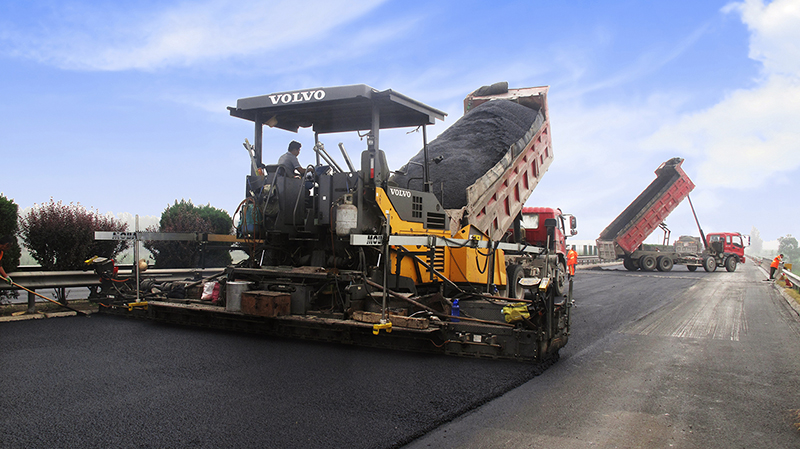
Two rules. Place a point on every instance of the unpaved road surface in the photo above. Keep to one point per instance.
(658, 360)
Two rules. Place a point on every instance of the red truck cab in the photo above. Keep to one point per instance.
(728, 244)
(533, 223)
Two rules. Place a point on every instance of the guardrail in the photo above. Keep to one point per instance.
(589, 260)
(793, 278)
(34, 280)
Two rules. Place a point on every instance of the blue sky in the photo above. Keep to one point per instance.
(121, 106)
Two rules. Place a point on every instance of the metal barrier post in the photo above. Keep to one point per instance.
(136, 257)
(31, 303)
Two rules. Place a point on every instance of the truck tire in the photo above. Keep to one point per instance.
(629, 264)
(647, 263)
(710, 264)
(730, 264)
(513, 290)
(560, 279)
(691, 267)
(664, 263)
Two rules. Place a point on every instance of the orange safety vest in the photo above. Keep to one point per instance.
(775, 262)
(572, 257)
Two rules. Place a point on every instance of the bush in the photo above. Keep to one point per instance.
(61, 237)
(9, 226)
(184, 216)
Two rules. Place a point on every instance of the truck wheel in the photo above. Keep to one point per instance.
(629, 264)
(730, 264)
(513, 290)
(709, 264)
(691, 267)
(647, 263)
(560, 279)
(664, 263)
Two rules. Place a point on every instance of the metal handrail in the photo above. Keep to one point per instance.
(68, 279)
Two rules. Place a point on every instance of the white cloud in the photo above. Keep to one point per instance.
(751, 136)
(181, 34)
(775, 39)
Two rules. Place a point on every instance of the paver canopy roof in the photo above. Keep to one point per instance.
(335, 109)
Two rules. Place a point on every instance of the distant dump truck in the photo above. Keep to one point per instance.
(623, 238)
(687, 244)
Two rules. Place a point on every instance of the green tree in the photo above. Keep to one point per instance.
(61, 237)
(788, 247)
(9, 226)
(184, 216)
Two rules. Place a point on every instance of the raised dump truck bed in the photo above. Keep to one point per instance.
(495, 199)
(632, 227)
(623, 238)
(488, 162)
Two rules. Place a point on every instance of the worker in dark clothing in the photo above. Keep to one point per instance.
(773, 267)
(5, 244)
(290, 162)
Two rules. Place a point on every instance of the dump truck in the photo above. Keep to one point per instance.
(624, 237)
(545, 227)
(363, 255)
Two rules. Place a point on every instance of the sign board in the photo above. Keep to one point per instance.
(114, 235)
(366, 239)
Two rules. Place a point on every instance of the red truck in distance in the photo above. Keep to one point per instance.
(624, 237)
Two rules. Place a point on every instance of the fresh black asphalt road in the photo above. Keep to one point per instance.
(103, 382)
(678, 359)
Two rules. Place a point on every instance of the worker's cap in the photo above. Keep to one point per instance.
(294, 145)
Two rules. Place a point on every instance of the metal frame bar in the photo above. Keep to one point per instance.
(432, 240)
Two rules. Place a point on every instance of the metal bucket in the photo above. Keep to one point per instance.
(233, 295)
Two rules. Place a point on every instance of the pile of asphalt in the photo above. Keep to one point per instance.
(468, 148)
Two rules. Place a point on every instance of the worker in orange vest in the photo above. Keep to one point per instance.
(774, 265)
(572, 260)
